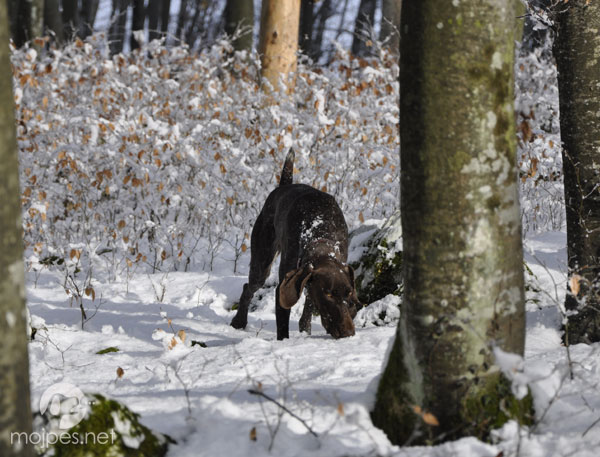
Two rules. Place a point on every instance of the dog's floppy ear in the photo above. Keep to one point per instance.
(350, 271)
(292, 285)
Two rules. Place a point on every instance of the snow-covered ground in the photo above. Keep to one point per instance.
(142, 176)
(199, 395)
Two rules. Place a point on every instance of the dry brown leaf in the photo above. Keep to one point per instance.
(574, 284)
(120, 372)
(181, 335)
(253, 434)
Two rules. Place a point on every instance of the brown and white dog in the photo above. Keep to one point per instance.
(309, 230)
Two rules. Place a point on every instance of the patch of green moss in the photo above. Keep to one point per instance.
(492, 405)
(108, 350)
(379, 271)
(109, 430)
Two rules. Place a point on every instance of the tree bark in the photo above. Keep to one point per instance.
(462, 259)
(279, 23)
(15, 409)
(116, 33)
(153, 12)
(240, 13)
(37, 18)
(306, 27)
(165, 16)
(88, 11)
(365, 18)
(53, 19)
(70, 18)
(390, 24)
(576, 48)
(19, 12)
(137, 21)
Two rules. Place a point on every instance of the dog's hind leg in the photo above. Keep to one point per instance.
(263, 250)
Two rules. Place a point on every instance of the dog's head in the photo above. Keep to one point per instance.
(330, 285)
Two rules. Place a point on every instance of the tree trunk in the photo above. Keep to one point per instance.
(306, 27)
(363, 26)
(462, 259)
(37, 18)
(181, 20)
(390, 24)
(137, 21)
(70, 18)
(279, 23)
(15, 409)
(19, 12)
(321, 16)
(240, 13)
(576, 48)
(53, 19)
(87, 18)
(153, 12)
(116, 33)
(165, 16)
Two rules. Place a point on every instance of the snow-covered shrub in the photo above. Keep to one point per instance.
(539, 148)
(161, 160)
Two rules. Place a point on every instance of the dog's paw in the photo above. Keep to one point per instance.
(238, 323)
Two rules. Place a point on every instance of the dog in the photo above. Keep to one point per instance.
(308, 228)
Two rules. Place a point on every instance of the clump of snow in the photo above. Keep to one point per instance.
(381, 312)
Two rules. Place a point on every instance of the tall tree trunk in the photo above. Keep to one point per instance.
(37, 18)
(363, 26)
(240, 13)
(88, 11)
(15, 409)
(53, 19)
(390, 24)
(153, 13)
(325, 11)
(70, 18)
(279, 23)
(576, 48)
(19, 12)
(165, 16)
(306, 27)
(181, 20)
(463, 270)
(116, 33)
(137, 21)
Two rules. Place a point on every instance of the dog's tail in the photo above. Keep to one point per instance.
(287, 173)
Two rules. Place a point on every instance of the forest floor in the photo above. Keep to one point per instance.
(199, 393)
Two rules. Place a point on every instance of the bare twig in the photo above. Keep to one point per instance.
(271, 399)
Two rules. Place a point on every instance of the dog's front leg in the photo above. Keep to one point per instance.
(282, 318)
(306, 318)
(240, 320)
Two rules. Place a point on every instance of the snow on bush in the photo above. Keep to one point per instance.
(160, 160)
(539, 148)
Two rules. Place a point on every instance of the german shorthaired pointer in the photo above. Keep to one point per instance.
(308, 228)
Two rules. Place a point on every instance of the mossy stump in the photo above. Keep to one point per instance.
(110, 429)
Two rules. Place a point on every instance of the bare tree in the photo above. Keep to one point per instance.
(15, 409)
(462, 258)
(279, 23)
(390, 24)
(576, 48)
(239, 13)
(116, 33)
(363, 25)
